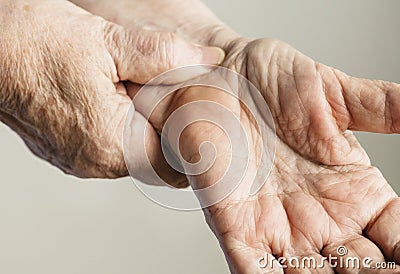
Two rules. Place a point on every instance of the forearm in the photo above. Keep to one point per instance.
(188, 18)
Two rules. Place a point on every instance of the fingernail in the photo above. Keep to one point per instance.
(213, 55)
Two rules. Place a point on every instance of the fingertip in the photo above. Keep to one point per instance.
(212, 55)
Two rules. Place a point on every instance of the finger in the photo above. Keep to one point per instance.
(144, 156)
(357, 155)
(355, 255)
(140, 55)
(132, 89)
(372, 106)
(133, 130)
(384, 231)
(313, 116)
(311, 263)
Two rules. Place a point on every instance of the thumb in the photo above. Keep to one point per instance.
(372, 106)
(141, 55)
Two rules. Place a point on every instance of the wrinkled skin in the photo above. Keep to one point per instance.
(322, 191)
(61, 87)
(320, 194)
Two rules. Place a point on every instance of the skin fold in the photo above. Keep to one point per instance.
(322, 192)
(61, 83)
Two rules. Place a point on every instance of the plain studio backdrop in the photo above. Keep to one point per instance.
(53, 223)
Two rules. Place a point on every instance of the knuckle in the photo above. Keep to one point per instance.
(116, 37)
(392, 112)
(162, 48)
(112, 33)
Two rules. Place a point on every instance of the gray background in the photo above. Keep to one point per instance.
(52, 223)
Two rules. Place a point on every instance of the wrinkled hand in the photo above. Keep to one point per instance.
(61, 87)
(322, 192)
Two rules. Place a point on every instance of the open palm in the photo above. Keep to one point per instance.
(323, 193)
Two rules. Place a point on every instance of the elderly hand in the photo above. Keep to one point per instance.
(306, 209)
(61, 83)
(322, 193)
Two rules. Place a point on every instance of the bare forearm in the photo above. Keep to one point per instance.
(188, 18)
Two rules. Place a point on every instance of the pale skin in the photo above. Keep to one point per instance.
(322, 191)
(61, 70)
